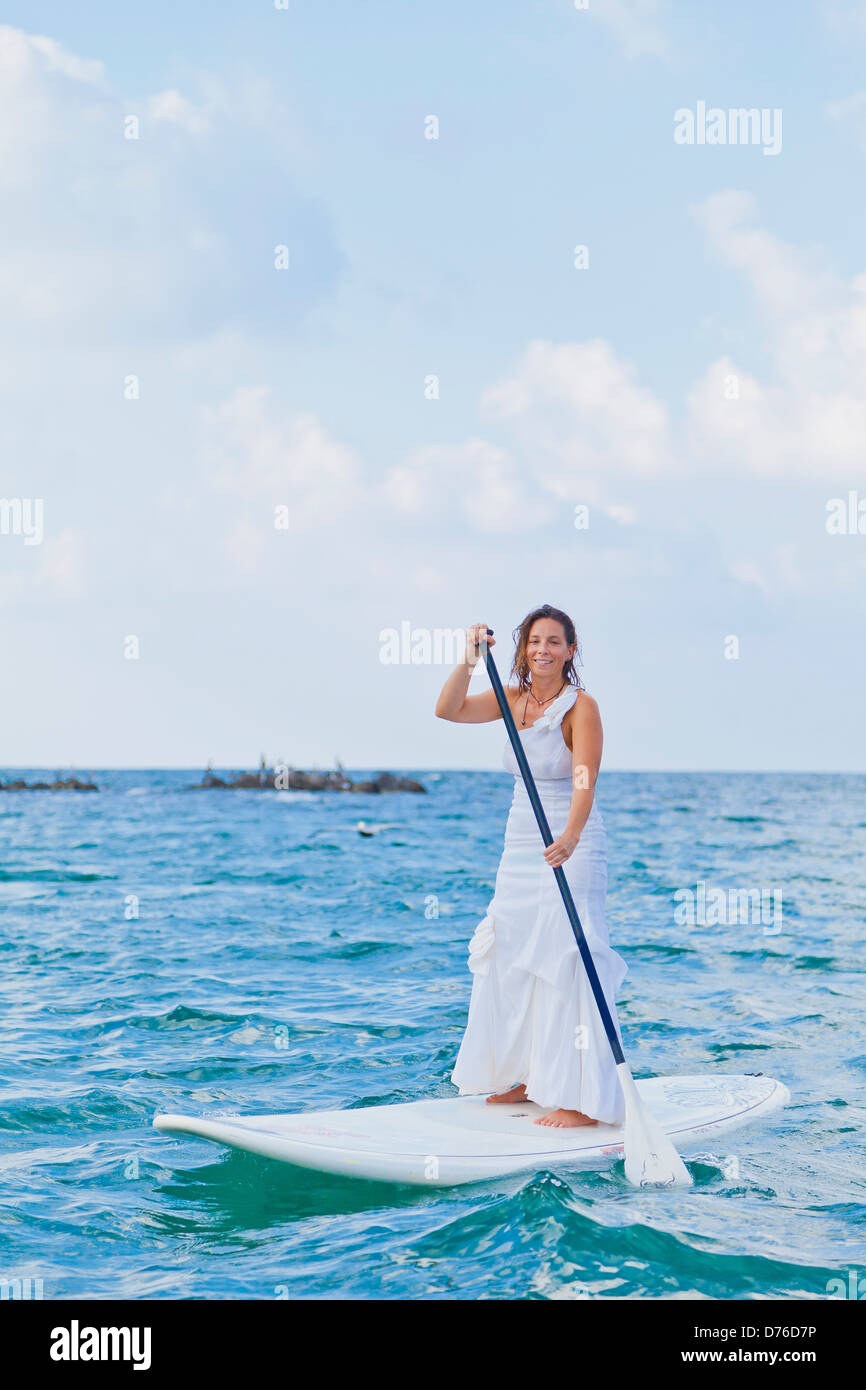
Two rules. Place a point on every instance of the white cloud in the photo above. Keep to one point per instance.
(623, 515)
(42, 90)
(22, 53)
(172, 108)
(577, 421)
(749, 573)
(581, 414)
(808, 419)
(83, 232)
(848, 106)
(782, 571)
(56, 59)
(635, 25)
(263, 453)
(56, 569)
(476, 482)
(784, 280)
(103, 229)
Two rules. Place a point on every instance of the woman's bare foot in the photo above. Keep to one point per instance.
(565, 1119)
(512, 1097)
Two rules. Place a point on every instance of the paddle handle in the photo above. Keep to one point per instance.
(558, 873)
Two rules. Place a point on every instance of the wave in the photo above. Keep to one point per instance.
(640, 1258)
(53, 875)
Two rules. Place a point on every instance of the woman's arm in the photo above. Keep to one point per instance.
(583, 723)
(453, 703)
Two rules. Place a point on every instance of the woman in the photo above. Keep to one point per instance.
(534, 1030)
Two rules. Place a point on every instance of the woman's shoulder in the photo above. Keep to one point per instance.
(585, 706)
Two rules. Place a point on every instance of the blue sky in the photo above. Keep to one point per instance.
(607, 386)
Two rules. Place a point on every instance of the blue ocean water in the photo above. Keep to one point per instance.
(281, 961)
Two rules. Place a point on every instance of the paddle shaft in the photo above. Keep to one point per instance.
(558, 873)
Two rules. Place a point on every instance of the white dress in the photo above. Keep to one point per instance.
(532, 1015)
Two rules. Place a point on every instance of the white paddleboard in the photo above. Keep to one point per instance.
(440, 1143)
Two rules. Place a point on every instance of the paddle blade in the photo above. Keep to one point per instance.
(650, 1158)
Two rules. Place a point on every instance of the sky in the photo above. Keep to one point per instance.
(301, 347)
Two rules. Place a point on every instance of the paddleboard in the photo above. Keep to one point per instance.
(441, 1143)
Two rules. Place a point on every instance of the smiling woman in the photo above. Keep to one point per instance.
(534, 1031)
(546, 636)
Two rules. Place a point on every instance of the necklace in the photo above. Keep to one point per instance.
(540, 702)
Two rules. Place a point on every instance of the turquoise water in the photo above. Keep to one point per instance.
(280, 961)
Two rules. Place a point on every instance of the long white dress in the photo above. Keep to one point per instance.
(532, 1015)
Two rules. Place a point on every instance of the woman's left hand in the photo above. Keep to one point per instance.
(562, 848)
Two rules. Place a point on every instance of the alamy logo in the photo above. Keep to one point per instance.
(76, 1343)
(737, 126)
(22, 1288)
(706, 906)
(846, 516)
(421, 646)
(856, 1287)
(22, 516)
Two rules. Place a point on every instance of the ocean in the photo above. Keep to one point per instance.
(165, 949)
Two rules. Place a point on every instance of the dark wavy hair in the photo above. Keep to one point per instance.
(520, 665)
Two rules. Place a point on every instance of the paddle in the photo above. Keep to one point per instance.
(650, 1157)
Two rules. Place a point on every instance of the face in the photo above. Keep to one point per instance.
(546, 648)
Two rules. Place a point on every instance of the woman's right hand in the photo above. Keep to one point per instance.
(455, 703)
(475, 635)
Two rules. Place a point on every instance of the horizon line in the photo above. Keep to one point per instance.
(72, 768)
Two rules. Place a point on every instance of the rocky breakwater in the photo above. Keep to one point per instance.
(60, 784)
(293, 779)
